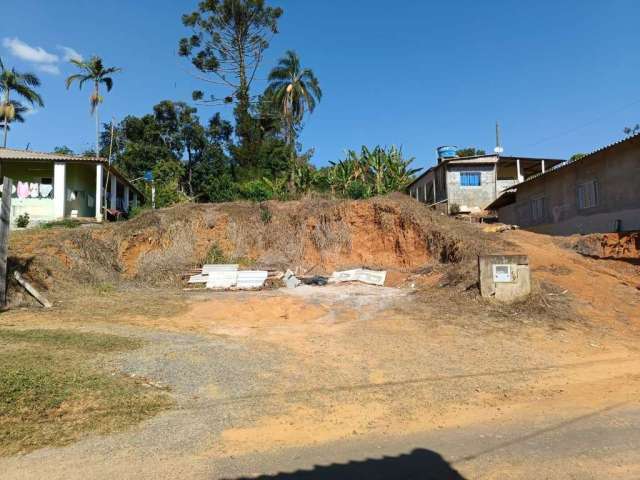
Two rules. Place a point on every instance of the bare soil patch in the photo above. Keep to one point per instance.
(315, 234)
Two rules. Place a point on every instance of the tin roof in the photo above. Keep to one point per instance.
(480, 160)
(13, 154)
(581, 159)
(27, 155)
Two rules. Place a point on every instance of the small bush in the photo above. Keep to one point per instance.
(265, 214)
(358, 190)
(256, 191)
(221, 189)
(137, 210)
(454, 209)
(215, 255)
(23, 220)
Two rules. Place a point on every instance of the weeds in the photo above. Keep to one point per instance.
(215, 255)
(265, 214)
(68, 339)
(65, 223)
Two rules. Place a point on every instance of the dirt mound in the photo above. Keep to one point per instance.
(624, 246)
(393, 232)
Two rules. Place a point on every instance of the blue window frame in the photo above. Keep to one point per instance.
(470, 179)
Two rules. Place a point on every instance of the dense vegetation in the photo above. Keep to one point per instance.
(255, 155)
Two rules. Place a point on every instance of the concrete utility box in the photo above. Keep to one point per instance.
(505, 277)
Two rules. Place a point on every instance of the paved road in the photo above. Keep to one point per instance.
(597, 445)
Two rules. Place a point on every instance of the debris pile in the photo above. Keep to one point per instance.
(227, 277)
(359, 275)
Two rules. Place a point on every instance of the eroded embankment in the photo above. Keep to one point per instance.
(623, 246)
(393, 232)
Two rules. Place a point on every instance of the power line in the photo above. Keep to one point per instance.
(581, 126)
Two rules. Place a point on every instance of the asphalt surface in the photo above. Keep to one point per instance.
(601, 444)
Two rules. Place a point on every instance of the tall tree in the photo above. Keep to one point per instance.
(182, 132)
(22, 84)
(228, 42)
(95, 72)
(295, 90)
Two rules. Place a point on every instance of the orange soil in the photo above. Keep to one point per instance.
(361, 235)
(621, 245)
(605, 291)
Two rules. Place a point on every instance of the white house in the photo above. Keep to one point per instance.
(52, 186)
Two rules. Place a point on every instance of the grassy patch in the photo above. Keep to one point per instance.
(65, 223)
(50, 395)
(68, 339)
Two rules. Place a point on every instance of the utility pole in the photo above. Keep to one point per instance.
(498, 148)
(5, 225)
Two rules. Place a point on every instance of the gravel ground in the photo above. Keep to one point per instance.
(369, 368)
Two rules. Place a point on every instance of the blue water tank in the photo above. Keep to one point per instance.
(447, 151)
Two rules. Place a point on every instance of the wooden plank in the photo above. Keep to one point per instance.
(5, 226)
(32, 290)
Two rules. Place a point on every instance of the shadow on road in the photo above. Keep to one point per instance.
(419, 464)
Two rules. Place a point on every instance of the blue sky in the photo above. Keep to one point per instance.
(560, 76)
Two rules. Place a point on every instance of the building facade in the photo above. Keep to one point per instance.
(470, 184)
(50, 186)
(597, 193)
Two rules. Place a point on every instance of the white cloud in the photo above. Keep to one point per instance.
(28, 53)
(49, 68)
(69, 53)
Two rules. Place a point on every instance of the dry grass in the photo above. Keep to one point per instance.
(50, 395)
(156, 246)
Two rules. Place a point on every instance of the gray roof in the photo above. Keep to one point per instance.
(581, 159)
(491, 158)
(13, 154)
(29, 155)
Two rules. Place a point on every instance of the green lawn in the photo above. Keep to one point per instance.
(50, 395)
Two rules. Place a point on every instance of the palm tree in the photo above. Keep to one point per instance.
(93, 71)
(295, 90)
(18, 111)
(21, 84)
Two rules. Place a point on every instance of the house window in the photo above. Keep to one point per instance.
(588, 195)
(470, 179)
(537, 209)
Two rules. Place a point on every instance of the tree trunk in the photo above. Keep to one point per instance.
(97, 94)
(6, 120)
(189, 171)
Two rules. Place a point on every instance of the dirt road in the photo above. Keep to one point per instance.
(391, 380)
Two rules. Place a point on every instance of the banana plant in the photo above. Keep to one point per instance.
(377, 171)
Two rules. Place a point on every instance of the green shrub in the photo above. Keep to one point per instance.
(23, 220)
(138, 209)
(256, 191)
(215, 255)
(358, 190)
(454, 209)
(222, 189)
(265, 214)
